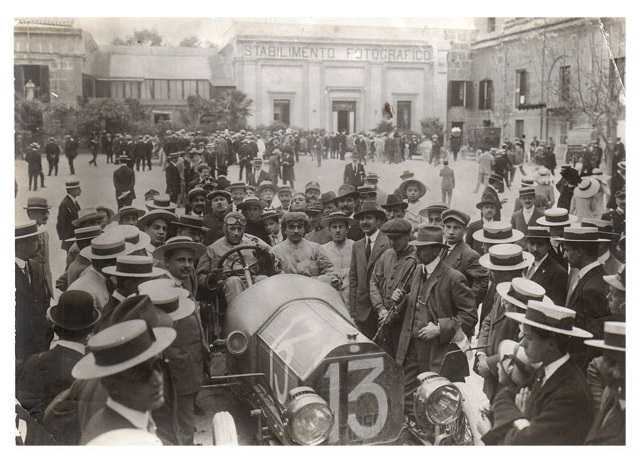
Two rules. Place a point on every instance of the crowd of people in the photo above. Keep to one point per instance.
(541, 296)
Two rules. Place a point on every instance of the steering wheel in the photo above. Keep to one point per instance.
(246, 268)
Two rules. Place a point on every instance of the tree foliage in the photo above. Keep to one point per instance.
(225, 110)
(190, 41)
(103, 114)
(142, 37)
(431, 126)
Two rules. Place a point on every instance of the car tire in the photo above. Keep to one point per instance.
(224, 429)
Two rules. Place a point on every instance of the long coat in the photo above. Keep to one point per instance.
(360, 275)
(172, 178)
(124, 179)
(444, 299)
(553, 277)
(463, 258)
(354, 174)
(559, 413)
(67, 213)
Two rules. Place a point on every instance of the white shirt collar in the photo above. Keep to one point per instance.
(485, 221)
(550, 369)
(373, 237)
(118, 296)
(527, 213)
(583, 272)
(22, 264)
(79, 347)
(140, 419)
(604, 257)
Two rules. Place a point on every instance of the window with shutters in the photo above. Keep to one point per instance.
(456, 93)
(403, 114)
(565, 82)
(522, 89)
(485, 94)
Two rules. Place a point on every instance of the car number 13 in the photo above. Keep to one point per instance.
(367, 385)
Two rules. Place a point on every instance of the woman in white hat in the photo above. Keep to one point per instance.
(584, 203)
(544, 189)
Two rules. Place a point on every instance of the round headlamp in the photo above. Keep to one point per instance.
(436, 399)
(237, 342)
(309, 417)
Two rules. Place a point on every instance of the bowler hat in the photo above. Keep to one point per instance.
(614, 337)
(456, 215)
(174, 301)
(37, 203)
(428, 235)
(370, 207)
(506, 257)
(121, 347)
(497, 232)
(394, 201)
(74, 311)
(27, 229)
(550, 317)
(179, 243)
(135, 266)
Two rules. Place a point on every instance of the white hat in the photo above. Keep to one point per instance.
(520, 290)
(174, 301)
(550, 317)
(614, 337)
(507, 257)
(497, 232)
(556, 217)
(587, 188)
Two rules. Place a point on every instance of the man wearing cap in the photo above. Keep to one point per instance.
(52, 152)
(460, 256)
(437, 317)
(319, 232)
(233, 279)
(266, 191)
(546, 270)
(284, 196)
(124, 179)
(32, 293)
(529, 213)
(125, 357)
(238, 193)
(179, 256)
(68, 212)
(392, 269)
(271, 219)
(38, 210)
(251, 207)
(197, 202)
(354, 172)
(366, 252)
(155, 223)
(214, 219)
(489, 208)
(48, 373)
(556, 409)
(339, 249)
(312, 191)
(172, 178)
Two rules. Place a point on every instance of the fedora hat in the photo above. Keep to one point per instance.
(456, 215)
(556, 217)
(497, 232)
(87, 216)
(370, 207)
(121, 347)
(250, 201)
(406, 174)
(536, 231)
(580, 235)
(27, 229)
(109, 245)
(506, 257)
(191, 221)
(162, 201)
(346, 190)
(37, 203)
(587, 188)
(614, 337)
(402, 189)
(428, 235)
(488, 198)
(85, 233)
(127, 210)
(550, 317)
(520, 290)
(616, 280)
(134, 266)
(174, 301)
(154, 214)
(179, 243)
(394, 201)
(74, 311)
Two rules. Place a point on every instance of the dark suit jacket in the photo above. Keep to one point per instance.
(611, 432)
(471, 229)
(465, 259)
(33, 333)
(518, 222)
(360, 275)
(559, 413)
(554, 278)
(103, 421)
(172, 176)
(354, 174)
(444, 299)
(43, 376)
(67, 213)
(124, 179)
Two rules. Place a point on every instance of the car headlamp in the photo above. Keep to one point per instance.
(309, 417)
(436, 400)
(237, 342)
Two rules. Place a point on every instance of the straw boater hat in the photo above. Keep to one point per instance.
(74, 311)
(135, 266)
(550, 317)
(507, 257)
(73, 184)
(527, 192)
(520, 290)
(556, 217)
(137, 239)
(581, 235)
(617, 280)
(587, 188)
(109, 245)
(191, 221)
(370, 207)
(394, 201)
(162, 201)
(179, 243)
(26, 229)
(85, 233)
(87, 216)
(535, 231)
(126, 210)
(37, 203)
(121, 347)
(428, 235)
(402, 189)
(614, 337)
(174, 301)
(497, 232)
(152, 215)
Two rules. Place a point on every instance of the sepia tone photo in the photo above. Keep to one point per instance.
(339, 232)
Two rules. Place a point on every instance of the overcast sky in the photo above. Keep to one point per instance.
(173, 30)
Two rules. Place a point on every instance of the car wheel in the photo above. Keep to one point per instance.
(224, 429)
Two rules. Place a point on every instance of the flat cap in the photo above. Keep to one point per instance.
(295, 217)
(396, 227)
(456, 215)
(235, 218)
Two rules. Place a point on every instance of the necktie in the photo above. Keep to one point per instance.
(574, 277)
(367, 249)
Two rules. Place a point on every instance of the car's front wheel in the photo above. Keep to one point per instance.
(224, 429)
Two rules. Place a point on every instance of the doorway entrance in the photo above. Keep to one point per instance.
(344, 116)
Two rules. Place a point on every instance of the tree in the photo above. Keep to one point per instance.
(197, 107)
(431, 126)
(142, 37)
(103, 114)
(232, 108)
(191, 41)
(137, 111)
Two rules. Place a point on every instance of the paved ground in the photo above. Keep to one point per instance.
(98, 189)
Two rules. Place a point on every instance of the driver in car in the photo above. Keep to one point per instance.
(231, 273)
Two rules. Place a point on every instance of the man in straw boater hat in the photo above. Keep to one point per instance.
(461, 256)
(556, 409)
(546, 270)
(87, 217)
(68, 212)
(495, 233)
(128, 273)
(32, 294)
(179, 256)
(608, 427)
(83, 237)
(124, 178)
(529, 213)
(512, 295)
(587, 291)
(339, 249)
(186, 355)
(489, 208)
(155, 223)
(48, 373)
(162, 202)
(438, 315)
(392, 271)
(125, 357)
(366, 252)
